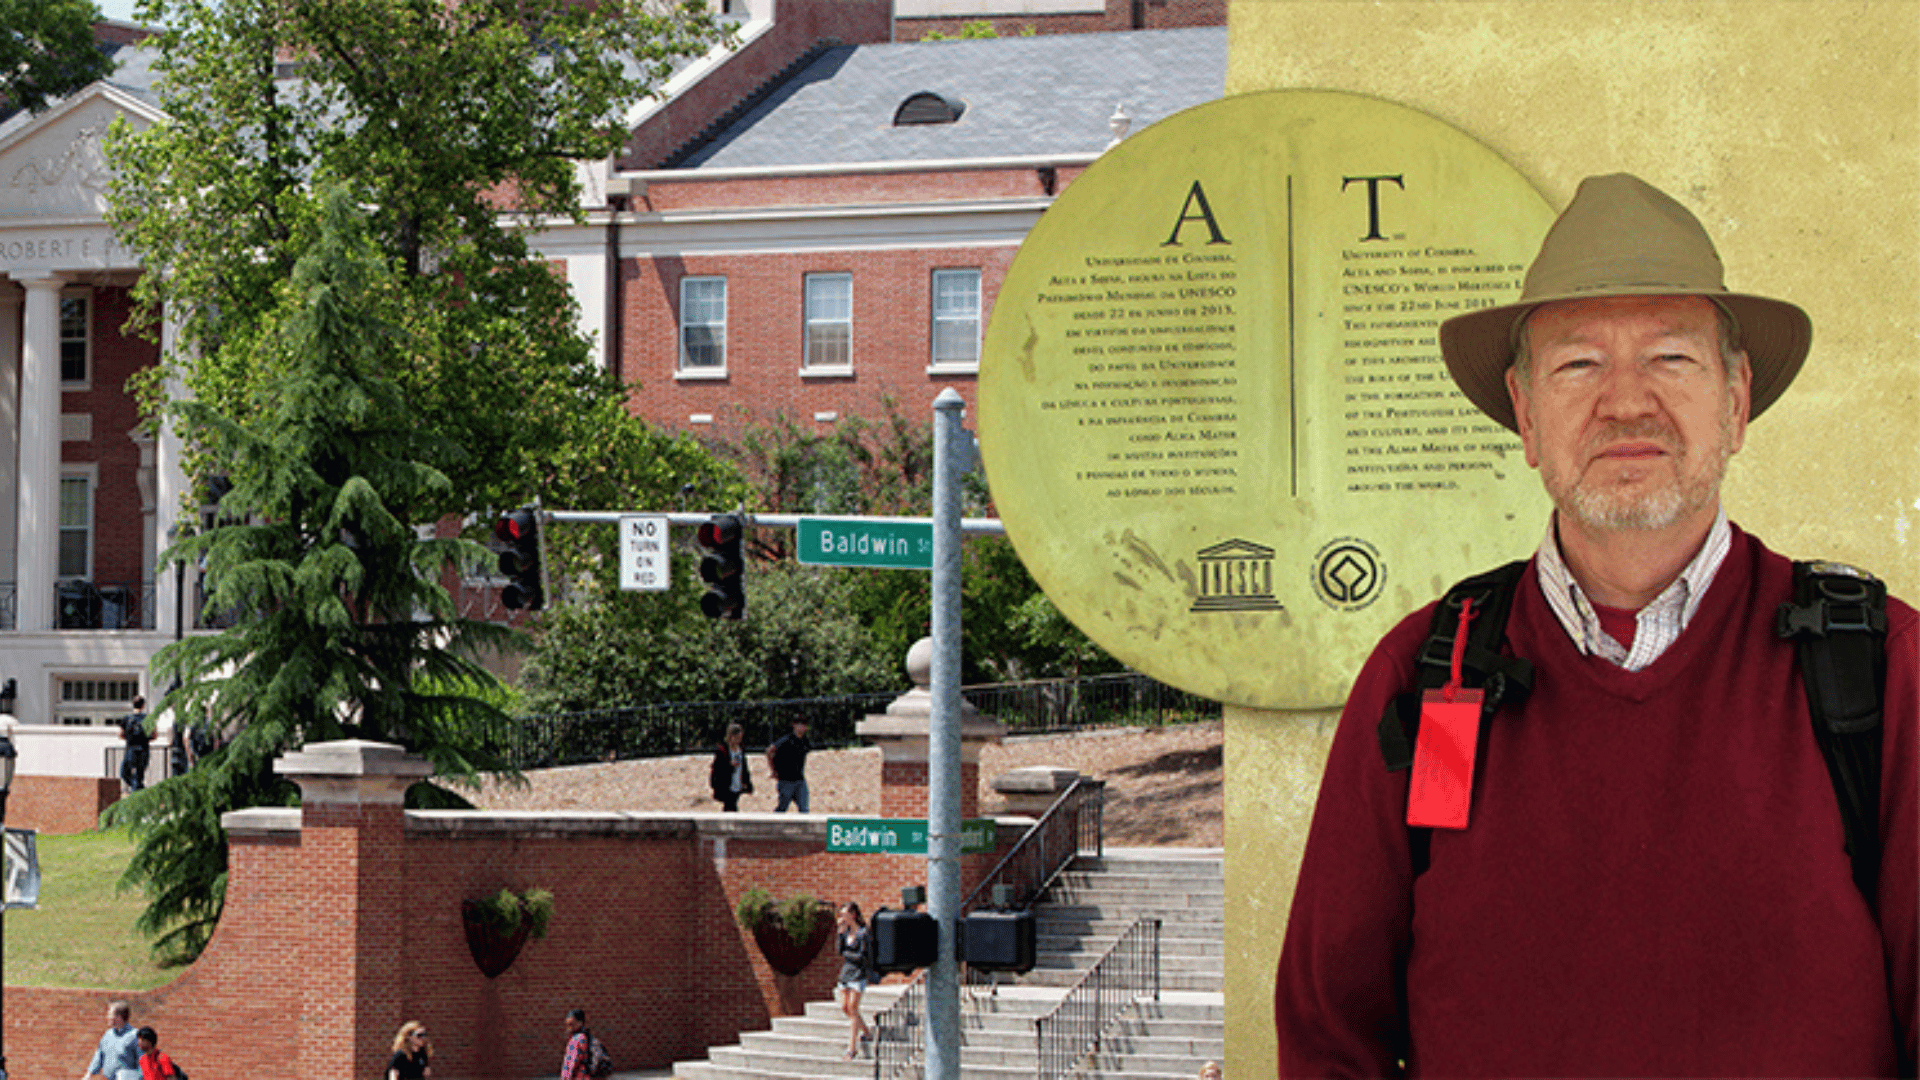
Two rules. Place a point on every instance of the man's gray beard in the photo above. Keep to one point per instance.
(1616, 510)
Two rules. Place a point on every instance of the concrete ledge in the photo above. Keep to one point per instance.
(262, 821)
(552, 824)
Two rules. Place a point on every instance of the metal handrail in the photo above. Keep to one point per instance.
(1070, 825)
(899, 1033)
(1074, 1029)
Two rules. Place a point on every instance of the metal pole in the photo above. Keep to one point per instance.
(951, 452)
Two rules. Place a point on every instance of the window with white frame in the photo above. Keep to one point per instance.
(94, 700)
(956, 318)
(703, 324)
(76, 526)
(74, 320)
(830, 321)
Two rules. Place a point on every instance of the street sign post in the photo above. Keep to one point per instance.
(902, 836)
(644, 563)
(878, 542)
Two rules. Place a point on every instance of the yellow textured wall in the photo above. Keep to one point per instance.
(1792, 129)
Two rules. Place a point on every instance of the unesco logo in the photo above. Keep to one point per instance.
(1348, 573)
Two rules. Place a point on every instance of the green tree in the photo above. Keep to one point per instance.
(460, 125)
(47, 51)
(341, 628)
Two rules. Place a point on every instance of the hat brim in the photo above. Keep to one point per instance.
(1478, 346)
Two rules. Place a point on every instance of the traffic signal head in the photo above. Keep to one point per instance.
(519, 535)
(723, 567)
(904, 940)
(999, 941)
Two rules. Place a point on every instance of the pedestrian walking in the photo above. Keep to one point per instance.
(154, 1062)
(856, 971)
(133, 731)
(730, 778)
(411, 1051)
(788, 759)
(579, 1054)
(118, 1056)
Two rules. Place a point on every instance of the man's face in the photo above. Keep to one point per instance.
(114, 1019)
(1627, 409)
(573, 1026)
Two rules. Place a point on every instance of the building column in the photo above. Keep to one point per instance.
(38, 524)
(170, 482)
(9, 449)
(902, 733)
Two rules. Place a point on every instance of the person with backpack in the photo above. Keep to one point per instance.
(133, 731)
(855, 943)
(1644, 804)
(154, 1062)
(586, 1056)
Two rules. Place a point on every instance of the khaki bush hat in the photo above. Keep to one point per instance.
(1621, 236)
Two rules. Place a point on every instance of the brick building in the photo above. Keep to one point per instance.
(811, 222)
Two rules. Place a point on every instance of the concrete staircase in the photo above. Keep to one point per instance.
(1085, 912)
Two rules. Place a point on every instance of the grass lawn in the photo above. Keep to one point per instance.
(82, 934)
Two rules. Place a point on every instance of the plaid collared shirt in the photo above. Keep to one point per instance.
(1656, 626)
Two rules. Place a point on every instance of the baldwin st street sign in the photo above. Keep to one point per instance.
(902, 836)
(898, 545)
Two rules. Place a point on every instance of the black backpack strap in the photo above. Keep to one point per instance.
(1838, 624)
(1502, 678)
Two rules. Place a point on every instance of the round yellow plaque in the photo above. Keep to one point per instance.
(1212, 405)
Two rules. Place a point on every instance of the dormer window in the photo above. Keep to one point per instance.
(927, 107)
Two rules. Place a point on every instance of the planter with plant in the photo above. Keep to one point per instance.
(790, 932)
(499, 925)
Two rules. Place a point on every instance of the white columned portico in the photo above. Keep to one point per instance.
(9, 443)
(171, 483)
(38, 524)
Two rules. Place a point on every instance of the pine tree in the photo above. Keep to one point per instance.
(340, 625)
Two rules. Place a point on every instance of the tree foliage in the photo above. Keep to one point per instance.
(340, 626)
(808, 631)
(47, 51)
(436, 116)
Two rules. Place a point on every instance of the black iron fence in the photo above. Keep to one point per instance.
(1094, 700)
(90, 605)
(900, 1034)
(683, 728)
(1129, 971)
(691, 727)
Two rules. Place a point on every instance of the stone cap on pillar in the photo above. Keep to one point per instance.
(353, 771)
(901, 732)
(1033, 789)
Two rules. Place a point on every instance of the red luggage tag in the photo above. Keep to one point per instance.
(1440, 793)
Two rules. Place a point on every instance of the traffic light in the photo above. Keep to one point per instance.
(999, 941)
(519, 533)
(723, 568)
(904, 940)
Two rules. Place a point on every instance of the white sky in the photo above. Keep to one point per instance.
(116, 9)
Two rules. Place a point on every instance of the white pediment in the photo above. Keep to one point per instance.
(54, 169)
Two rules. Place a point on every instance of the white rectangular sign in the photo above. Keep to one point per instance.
(643, 553)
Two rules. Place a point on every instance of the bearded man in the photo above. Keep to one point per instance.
(1647, 865)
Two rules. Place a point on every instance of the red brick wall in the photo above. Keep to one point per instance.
(643, 938)
(60, 804)
(119, 527)
(766, 330)
(1119, 15)
(797, 26)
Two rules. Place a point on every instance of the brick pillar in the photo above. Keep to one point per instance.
(901, 734)
(353, 828)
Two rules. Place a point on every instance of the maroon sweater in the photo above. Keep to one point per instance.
(1653, 883)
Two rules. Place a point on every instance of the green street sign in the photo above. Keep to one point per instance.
(902, 836)
(899, 545)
